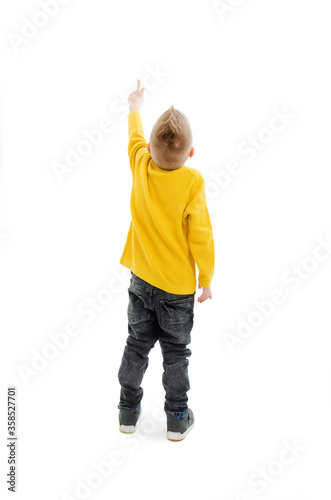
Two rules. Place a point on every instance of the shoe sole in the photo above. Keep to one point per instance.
(129, 429)
(177, 436)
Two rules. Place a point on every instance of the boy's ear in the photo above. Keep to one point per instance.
(191, 153)
(148, 147)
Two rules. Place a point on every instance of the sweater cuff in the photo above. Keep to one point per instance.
(132, 112)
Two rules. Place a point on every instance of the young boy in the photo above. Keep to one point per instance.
(170, 233)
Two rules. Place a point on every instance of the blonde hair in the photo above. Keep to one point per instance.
(171, 139)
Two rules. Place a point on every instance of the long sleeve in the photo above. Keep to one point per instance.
(137, 143)
(200, 232)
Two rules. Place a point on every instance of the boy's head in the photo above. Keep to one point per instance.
(171, 140)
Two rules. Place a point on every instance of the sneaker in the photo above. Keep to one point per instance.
(128, 419)
(179, 427)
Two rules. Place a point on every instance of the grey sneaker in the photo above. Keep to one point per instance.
(128, 419)
(179, 427)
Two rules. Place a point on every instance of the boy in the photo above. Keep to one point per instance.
(170, 233)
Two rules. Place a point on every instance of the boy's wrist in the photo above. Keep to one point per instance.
(134, 108)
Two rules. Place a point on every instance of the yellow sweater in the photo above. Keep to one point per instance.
(170, 230)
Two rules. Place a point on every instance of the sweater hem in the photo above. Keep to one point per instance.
(155, 282)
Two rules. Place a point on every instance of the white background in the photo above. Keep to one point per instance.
(61, 241)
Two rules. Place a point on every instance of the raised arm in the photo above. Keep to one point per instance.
(137, 142)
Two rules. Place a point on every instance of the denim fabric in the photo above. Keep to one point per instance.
(156, 315)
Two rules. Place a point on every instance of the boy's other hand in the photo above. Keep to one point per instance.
(206, 294)
(136, 98)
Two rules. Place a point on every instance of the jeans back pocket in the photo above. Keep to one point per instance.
(177, 317)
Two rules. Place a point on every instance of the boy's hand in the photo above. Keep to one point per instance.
(206, 294)
(136, 98)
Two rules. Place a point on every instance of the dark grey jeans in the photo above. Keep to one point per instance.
(154, 314)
